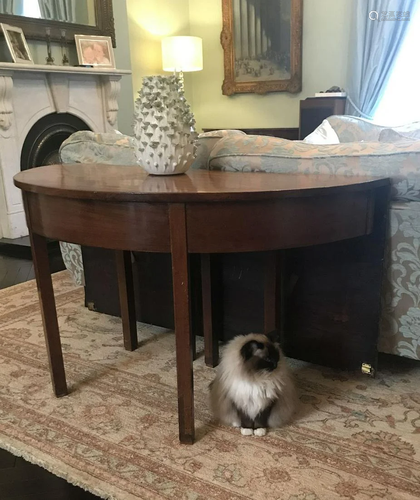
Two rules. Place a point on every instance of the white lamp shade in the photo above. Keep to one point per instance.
(182, 53)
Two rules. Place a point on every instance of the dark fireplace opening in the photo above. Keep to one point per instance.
(43, 141)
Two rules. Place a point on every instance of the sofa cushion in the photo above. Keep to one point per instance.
(353, 129)
(119, 149)
(411, 130)
(407, 132)
(89, 147)
(391, 135)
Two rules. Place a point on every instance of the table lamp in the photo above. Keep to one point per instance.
(182, 54)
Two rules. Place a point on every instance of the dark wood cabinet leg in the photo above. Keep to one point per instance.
(270, 292)
(49, 313)
(184, 362)
(281, 295)
(127, 300)
(211, 344)
(193, 345)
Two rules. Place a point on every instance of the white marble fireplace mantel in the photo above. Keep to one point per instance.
(45, 68)
(28, 93)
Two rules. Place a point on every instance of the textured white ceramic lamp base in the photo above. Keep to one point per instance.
(164, 127)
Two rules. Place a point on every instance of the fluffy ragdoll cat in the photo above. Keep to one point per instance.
(253, 388)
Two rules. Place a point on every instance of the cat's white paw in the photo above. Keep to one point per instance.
(246, 432)
(236, 424)
(261, 431)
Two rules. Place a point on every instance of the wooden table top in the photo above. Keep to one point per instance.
(131, 183)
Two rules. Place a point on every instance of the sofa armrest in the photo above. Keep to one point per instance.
(89, 147)
(72, 258)
(259, 146)
(206, 142)
(399, 161)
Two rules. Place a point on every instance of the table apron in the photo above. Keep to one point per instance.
(283, 223)
(115, 225)
(217, 227)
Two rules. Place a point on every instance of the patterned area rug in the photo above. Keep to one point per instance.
(116, 433)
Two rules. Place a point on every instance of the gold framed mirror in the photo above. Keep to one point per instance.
(262, 44)
(87, 17)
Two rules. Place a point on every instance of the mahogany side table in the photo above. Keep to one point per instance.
(204, 212)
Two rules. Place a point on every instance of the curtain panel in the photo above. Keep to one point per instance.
(378, 31)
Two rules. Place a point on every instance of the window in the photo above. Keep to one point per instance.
(401, 101)
(31, 9)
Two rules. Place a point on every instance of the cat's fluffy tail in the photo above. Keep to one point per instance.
(285, 406)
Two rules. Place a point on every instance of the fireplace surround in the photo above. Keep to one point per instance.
(40, 106)
(43, 141)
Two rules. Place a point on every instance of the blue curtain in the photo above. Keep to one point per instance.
(58, 10)
(11, 7)
(378, 30)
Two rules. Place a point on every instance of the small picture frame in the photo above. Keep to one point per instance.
(95, 51)
(17, 45)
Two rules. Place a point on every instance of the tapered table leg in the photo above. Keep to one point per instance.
(211, 344)
(195, 294)
(49, 313)
(127, 301)
(180, 276)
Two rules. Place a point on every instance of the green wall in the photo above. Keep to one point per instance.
(123, 61)
(141, 24)
(326, 31)
(149, 21)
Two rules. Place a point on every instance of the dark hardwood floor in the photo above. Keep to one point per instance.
(14, 271)
(20, 480)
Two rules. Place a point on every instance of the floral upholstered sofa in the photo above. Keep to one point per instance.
(363, 149)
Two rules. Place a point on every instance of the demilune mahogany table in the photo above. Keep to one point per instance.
(124, 209)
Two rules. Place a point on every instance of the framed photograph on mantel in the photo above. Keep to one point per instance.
(17, 45)
(95, 51)
(262, 44)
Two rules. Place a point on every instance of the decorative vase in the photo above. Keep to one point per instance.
(164, 127)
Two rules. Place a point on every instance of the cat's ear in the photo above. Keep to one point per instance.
(273, 336)
(250, 348)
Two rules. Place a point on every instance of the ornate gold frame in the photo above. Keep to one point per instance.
(293, 84)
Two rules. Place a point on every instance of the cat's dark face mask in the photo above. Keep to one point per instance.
(260, 356)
